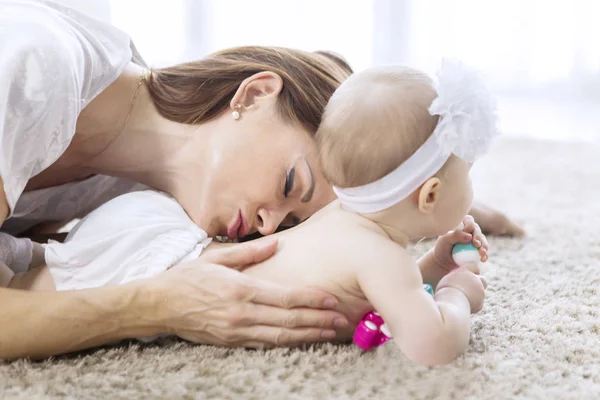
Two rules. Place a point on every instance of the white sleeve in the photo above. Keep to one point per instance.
(52, 64)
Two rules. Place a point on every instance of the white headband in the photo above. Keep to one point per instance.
(466, 128)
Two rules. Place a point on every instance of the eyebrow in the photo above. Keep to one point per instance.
(309, 193)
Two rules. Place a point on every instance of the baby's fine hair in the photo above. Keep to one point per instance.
(373, 123)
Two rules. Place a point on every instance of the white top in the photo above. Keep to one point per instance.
(134, 236)
(53, 61)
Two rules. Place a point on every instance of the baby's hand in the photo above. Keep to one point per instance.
(471, 285)
(469, 231)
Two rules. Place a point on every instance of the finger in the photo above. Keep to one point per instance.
(479, 238)
(269, 336)
(244, 254)
(297, 318)
(469, 224)
(458, 236)
(483, 254)
(463, 237)
(271, 294)
(484, 242)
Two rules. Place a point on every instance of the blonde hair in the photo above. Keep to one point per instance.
(198, 91)
(373, 123)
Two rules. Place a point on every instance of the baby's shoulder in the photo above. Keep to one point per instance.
(356, 240)
(334, 219)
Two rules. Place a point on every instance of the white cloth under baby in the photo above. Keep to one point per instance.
(134, 236)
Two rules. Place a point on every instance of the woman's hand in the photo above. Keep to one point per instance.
(207, 302)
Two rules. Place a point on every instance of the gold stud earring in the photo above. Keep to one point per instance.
(236, 111)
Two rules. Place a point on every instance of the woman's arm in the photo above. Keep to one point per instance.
(41, 324)
(203, 301)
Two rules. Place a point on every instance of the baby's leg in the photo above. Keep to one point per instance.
(493, 222)
(36, 279)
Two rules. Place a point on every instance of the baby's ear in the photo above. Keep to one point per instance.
(428, 195)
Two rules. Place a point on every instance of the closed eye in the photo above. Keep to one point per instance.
(289, 182)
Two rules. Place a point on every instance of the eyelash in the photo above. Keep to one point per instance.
(288, 185)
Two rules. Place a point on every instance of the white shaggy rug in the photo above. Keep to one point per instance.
(537, 338)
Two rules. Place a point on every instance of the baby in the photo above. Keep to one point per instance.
(398, 153)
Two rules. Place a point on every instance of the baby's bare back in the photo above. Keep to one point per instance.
(310, 255)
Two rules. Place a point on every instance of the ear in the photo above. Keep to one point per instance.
(256, 89)
(429, 195)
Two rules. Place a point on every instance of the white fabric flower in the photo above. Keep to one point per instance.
(467, 110)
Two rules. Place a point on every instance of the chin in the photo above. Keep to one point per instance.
(447, 226)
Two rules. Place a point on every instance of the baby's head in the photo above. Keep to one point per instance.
(377, 121)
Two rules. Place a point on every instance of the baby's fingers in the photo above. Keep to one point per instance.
(468, 224)
(479, 239)
(458, 236)
(483, 254)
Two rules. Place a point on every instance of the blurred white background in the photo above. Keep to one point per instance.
(542, 58)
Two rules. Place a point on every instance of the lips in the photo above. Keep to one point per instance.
(239, 227)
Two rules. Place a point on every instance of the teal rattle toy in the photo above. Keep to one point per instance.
(465, 254)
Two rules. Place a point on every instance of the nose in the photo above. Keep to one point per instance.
(267, 221)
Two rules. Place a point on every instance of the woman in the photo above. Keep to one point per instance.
(228, 136)
(82, 123)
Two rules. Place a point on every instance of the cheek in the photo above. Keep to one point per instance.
(465, 199)
(469, 194)
(470, 202)
(456, 209)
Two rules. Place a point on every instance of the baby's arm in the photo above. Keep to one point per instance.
(429, 330)
(431, 272)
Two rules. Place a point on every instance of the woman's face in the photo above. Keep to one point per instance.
(261, 173)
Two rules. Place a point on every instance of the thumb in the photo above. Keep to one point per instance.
(461, 237)
(244, 254)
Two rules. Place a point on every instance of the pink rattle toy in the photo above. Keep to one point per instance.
(371, 332)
